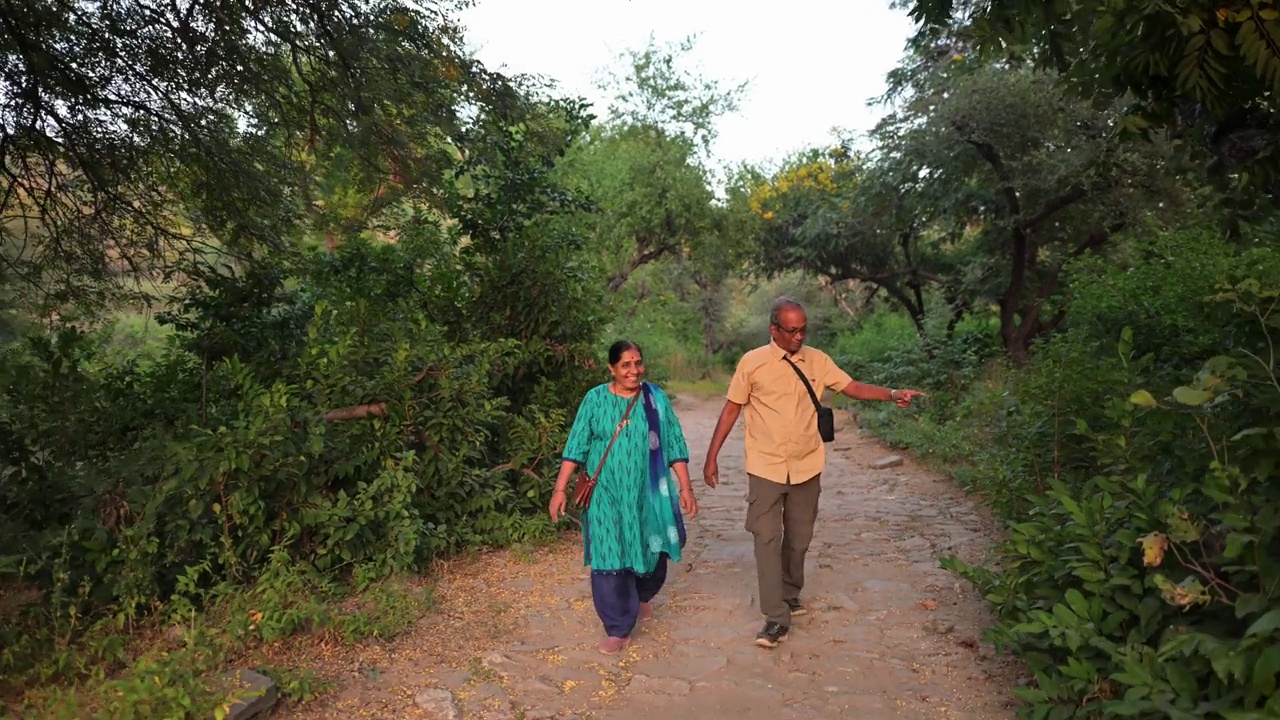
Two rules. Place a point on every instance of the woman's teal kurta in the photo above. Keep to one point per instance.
(625, 527)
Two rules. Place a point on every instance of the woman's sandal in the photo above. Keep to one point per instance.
(613, 645)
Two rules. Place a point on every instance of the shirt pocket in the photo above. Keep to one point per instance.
(813, 383)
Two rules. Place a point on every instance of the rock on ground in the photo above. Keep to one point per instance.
(437, 704)
(256, 695)
(887, 462)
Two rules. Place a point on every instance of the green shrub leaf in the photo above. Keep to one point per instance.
(1191, 396)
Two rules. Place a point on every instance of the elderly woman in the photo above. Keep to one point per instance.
(627, 437)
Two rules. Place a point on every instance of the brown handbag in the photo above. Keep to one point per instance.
(585, 486)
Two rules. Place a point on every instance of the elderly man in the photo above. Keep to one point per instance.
(784, 454)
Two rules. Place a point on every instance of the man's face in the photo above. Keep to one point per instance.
(790, 329)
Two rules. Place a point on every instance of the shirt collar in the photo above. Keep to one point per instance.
(779, 354)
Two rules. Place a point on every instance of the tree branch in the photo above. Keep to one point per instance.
(1031, 315)
(368, 410)
(1065, 200)
(988, 152)
(357, 412)
(640, 259)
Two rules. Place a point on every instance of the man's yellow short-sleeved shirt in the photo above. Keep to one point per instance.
(782, 442)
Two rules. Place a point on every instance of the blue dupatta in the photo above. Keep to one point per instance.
(659, 472)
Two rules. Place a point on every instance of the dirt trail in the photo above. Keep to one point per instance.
(889, 634)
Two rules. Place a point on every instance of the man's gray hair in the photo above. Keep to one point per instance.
(782, 303)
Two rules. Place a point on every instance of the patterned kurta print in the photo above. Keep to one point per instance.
(624, 529)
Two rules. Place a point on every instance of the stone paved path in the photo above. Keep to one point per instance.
(889, 635)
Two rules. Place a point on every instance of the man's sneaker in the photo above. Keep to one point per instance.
(797, 609)
(646, 611)
(771, 635)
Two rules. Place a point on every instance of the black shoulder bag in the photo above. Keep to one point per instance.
(826, 418)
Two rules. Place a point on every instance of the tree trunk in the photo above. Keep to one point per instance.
(712, 314)
(914, 311)
(837, 295)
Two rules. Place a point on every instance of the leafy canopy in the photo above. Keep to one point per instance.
(135, 134)
(1200, 67)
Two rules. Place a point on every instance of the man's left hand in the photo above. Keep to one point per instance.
(903, 397)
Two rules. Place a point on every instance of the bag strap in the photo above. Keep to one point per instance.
(812, 395)
(616, 432)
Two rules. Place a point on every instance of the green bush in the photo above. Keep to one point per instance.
(1140, 576)
(321, 410)
(1148, 585)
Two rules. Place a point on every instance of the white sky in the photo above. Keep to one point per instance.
(812, 64)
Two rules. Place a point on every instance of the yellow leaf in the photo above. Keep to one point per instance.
(1154, 546)
(1143, 398)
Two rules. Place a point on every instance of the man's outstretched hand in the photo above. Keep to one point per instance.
(903, 397)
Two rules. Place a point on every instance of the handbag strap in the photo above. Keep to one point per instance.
(812, 395)
(616, 432)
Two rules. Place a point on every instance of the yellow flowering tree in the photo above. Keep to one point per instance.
(837, 215)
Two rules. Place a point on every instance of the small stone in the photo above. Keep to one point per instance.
(538, 714)
(567, 673)
(255, 695)
(505, 711)
(643, 684)
(887, 462)
(940, 627)
(536, 646)
(489, 691)
(437, 704)
(535, 685)
(454, 678)
(501, 664)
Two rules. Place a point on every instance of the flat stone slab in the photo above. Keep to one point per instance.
(255, 694)
(647, 685)
(685, 664)
(437, 704)
(886, 462)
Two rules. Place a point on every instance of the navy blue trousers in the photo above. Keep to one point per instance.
(617, 596)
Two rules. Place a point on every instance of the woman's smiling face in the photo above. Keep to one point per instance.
(628, 372)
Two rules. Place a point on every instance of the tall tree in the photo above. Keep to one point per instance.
(647, 166)
(1197, 69)
(1033, 177)
(133, 134)
(845, 216)
(983, 183)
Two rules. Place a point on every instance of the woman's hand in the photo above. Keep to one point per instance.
(688, 503)
(558, 504)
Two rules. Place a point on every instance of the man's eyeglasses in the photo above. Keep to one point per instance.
(792, 331)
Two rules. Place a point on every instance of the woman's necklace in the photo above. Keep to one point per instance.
(616, 390)
(620, 392)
